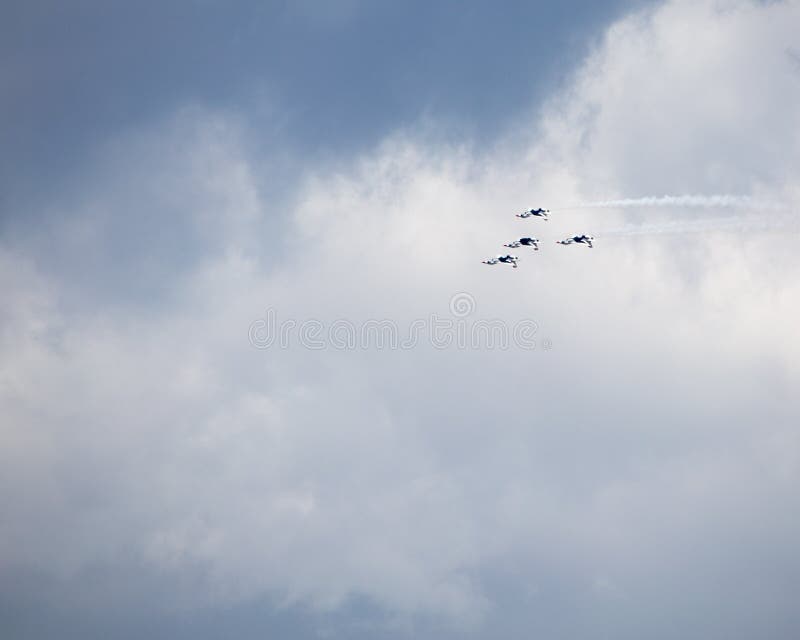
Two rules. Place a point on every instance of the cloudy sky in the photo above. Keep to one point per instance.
(253, 379)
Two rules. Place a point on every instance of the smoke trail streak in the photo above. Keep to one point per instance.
(715, 201)
(719, 201)
(709, 225)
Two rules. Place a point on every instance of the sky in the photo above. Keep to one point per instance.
(255, 381)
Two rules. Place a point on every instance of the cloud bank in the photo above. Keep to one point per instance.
(638, 478)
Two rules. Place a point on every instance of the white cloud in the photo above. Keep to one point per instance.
(658, 435)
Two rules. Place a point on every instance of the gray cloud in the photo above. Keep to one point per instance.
(337, 74)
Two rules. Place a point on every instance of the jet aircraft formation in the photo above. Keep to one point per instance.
(534, 242)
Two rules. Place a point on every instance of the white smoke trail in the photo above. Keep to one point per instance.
(763, 215)
(709, 225)
(714, 201)
(719, 201)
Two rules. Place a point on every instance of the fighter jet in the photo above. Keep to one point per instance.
(509, 259)
(587, 240)
(506, 259)
(528, 242)
(539, 213)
